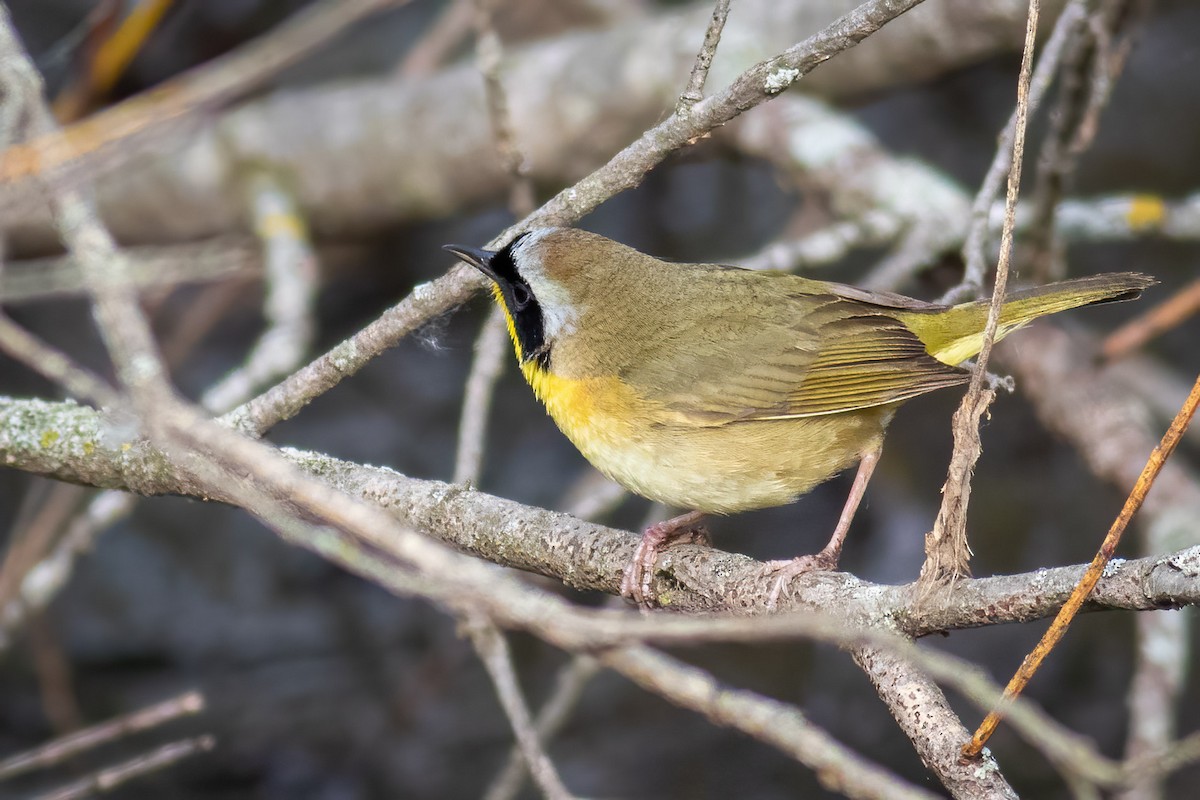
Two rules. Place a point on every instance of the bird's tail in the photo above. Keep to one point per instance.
(952, 335)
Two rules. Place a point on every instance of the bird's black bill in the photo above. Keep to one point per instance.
(477, 257)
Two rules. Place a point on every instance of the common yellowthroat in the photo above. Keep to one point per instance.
(721, 389)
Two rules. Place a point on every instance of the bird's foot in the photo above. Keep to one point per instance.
(635, 584)
(782, 572)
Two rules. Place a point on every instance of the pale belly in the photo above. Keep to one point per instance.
(717, 469)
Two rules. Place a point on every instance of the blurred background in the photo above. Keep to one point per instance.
(321, 685)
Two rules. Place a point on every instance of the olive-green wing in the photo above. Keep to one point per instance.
(838, 355)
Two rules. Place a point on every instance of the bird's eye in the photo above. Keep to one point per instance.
(521, 296)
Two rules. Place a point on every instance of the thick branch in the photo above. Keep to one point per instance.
(74, 443)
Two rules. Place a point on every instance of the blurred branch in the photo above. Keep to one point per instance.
(433, 49)
(149, 266)
(1096, 58)
(106, 780)
(105, 141)
(827, 245)
(109, 61)
(290, 278)
(60, 750)
(837, 768)
(53, 364)
(491, 346)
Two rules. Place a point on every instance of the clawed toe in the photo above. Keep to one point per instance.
(784, 571)
(635, 582)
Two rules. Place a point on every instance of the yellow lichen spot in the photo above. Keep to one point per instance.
(49, 438)
(1146, 211)
(126, 447)
(89, 448)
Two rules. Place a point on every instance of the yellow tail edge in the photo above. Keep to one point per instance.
(952, 335)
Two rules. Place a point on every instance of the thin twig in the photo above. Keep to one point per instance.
(224, 257)
(567, 691)
(60, 750)
(493, 650)
(1086, 584)
(448, 31)
(491, 351)
(974, 251)
(694, 91)
(54, 365)
(290, 279)
(491, 345)
(110, 60)
(1089, 73)
(946, 551)
(105, 780)
(837, 768)
(54, 677)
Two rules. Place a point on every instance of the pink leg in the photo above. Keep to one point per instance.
(635, 585)
(827, 559)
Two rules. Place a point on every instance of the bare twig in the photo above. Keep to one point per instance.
(974, 249)
(290, 278)
(694, 91)
(53, 364)
(448, 31)
(568, 688)
(493, 650)
(110, 60)
(946, 551)
(60, 750)
(1056, 631)
(838, 768)
(109, 778)
(1096, 59)
(54, 677)
(491, 345)
(149, 266)
(827, 245)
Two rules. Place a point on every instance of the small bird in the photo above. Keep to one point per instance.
(719, 389)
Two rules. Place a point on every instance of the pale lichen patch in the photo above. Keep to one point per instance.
(780, 79)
